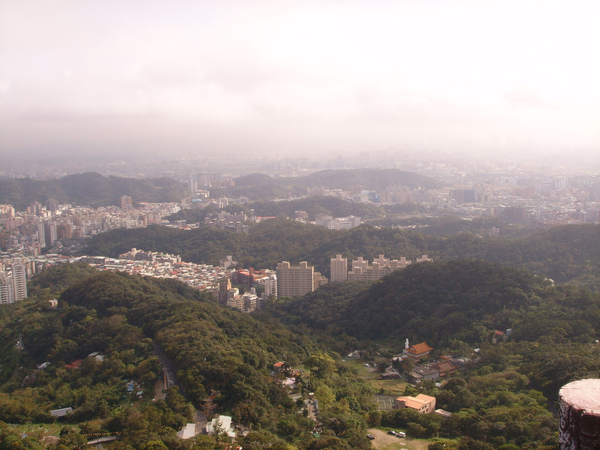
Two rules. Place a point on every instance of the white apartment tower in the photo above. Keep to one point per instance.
(295, 280)
(339, 268)
(271, 286)
(19, 280)
(6, 289)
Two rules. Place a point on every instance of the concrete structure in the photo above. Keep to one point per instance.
(270, 285)
(13, 282)
(319, 280)
(338, 223)
(295, 280)
(422, 403)
(6, 289)
(382, 266)
(224, 287)
(126, 202)
(19, 280)
(579, 415)
(219, 425)
(339, 269)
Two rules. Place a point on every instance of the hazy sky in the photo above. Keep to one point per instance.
(310, 77)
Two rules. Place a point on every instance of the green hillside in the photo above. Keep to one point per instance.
(436, 302)
(460, 304)
(212, 350)
(455, 306)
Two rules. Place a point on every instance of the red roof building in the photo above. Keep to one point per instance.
(417, 351)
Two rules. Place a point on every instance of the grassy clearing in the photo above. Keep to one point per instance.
(39, 430)
(390, 387)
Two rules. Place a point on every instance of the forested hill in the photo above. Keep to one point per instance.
(89, 189)
(461, 304)
(499, 400)
(207, 343)
(565, 254)
(212, 349)
(264, 187)
(437, 302)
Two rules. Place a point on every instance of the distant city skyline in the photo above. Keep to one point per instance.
(510, 79)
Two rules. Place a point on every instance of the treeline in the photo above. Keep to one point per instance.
(568, 253)
(89, 189)
(264, 187)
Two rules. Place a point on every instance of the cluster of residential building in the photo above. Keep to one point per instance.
(337, 223)
(363, 271)
(258, 286)
(14, 272)
(226, 221)
(63, 227)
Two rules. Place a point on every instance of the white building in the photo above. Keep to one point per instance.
(221, 424)
(13, 283)
(19, 278)
(295, 280)
(6, 289)
(339, 269)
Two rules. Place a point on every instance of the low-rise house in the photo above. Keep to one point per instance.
(443, 413)
(390, 374)
(60, 413)
(422, 403)
(221, 424)
(75, 365)
(446, 368)
(354, 355)
(422, 373)
(187, 432)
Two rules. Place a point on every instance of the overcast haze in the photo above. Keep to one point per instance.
(303, 77)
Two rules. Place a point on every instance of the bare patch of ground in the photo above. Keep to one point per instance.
(384, 441)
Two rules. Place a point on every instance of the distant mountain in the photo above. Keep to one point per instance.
(372, 179)
(264, 187)
(89, 189)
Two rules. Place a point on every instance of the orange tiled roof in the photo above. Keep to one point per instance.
(417, 349)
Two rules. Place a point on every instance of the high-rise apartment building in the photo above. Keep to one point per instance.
(339, 268)
(126, 202)
(295, 280)
(50, 233)
(6, 289)
(19, 280)
(271, 286)
(13, 283)
(224, 287)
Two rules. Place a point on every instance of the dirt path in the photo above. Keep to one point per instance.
(384, 441)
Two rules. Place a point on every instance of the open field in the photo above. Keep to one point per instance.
(390, 387)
